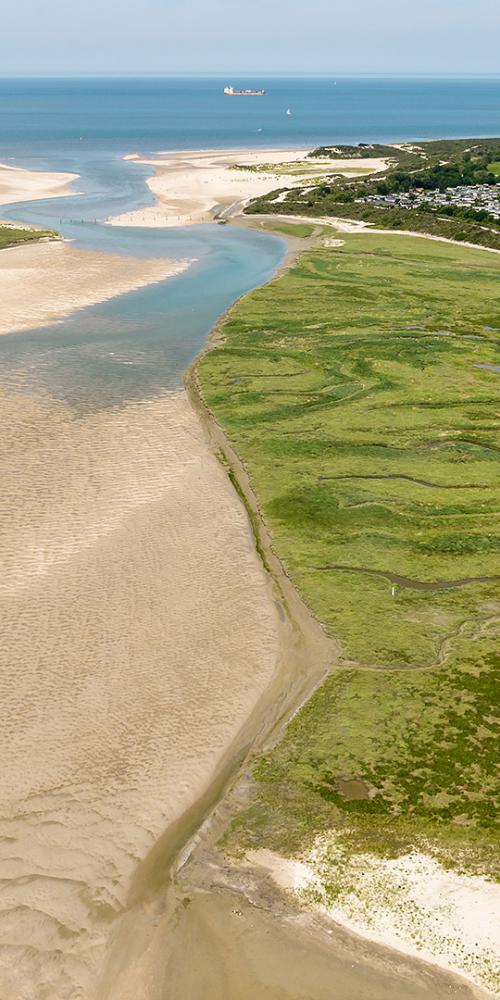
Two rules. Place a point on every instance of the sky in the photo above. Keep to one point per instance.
(250, 36)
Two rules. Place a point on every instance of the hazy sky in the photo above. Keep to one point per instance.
(167, 36)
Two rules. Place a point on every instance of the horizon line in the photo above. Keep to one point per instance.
(209, 74)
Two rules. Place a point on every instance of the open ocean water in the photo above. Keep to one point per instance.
(88, 125)
(47, 118)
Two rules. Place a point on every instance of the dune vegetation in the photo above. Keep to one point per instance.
(439, 165)
(361, 391)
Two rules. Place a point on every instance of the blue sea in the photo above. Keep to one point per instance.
(88, 125)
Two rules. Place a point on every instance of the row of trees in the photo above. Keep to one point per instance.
(447, 175)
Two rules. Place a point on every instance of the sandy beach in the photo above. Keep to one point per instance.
(220, 946)
(18, 184)
(192, 187)
(41, 283)
(140, 635)
(410, 903)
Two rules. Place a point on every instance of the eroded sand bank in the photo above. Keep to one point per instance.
(42, 283)
(138, 637)
(190, 186)
(18, 184)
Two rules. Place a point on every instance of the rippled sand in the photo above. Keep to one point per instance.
(137, 636)
(42, 283)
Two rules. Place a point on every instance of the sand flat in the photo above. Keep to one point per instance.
(18, 184)
(41, 283)
(241, 952)
(190, 186)
(138, 636)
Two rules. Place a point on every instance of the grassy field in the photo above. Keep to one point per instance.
(430, 223)
(299, 229)
(361, 390)
(495, 167)
(9, 236)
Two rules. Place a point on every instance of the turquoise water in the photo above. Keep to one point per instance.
(140, 344)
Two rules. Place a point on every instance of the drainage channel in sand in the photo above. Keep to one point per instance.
(147, 651)
(139, 635)
(198, 926)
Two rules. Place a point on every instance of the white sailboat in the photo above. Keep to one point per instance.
(288, 111)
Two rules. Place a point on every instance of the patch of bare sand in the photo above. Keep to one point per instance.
(138, 636)
(18, 184)
(410, 903)
(219, 947)
(190, 187)
(359, 226)
(42, 283)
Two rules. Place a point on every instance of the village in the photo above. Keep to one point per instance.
(479, 197)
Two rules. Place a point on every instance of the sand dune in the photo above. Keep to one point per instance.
(190, 186)
(138, 636)
(18, 184)
(42, 283)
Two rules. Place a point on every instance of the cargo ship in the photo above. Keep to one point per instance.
(231, 92)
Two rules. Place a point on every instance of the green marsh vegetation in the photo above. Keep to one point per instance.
(427, 166)
(361, 391)
(11, 236)
(298, 229)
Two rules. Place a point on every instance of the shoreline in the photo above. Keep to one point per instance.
(83, 498)
(199, 186)
(391, 937)
(19, 184)
(394, 907)
(54, 279)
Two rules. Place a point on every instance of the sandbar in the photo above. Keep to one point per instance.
(41, 283)
(139, 635)
(194, 186)
(19, 184)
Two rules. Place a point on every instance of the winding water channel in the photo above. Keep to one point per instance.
(172, 921)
